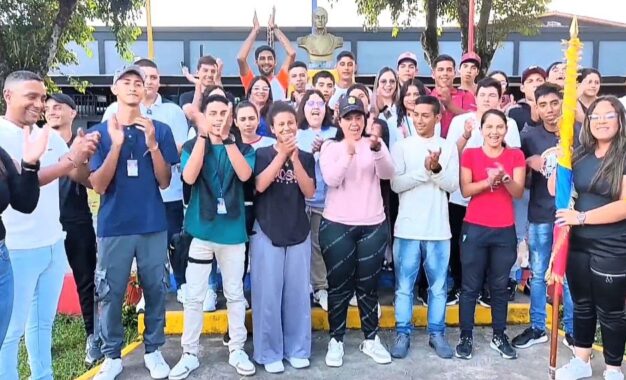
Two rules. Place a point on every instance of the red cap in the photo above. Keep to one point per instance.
(471, 57)
(407, 55)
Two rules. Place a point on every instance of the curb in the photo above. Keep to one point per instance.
(125, 351)
(217, 322)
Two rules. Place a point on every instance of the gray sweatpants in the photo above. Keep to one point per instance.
(281, 307)
(115, 258)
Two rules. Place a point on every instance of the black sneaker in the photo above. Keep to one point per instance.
(484, 300)
(464, 348)
(511, 288)
(568, 341)
(226, 339)
(530, 337)
(453, 297)
(500, 343)
(422, 295)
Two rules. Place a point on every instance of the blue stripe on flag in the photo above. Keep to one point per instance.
(563, 187)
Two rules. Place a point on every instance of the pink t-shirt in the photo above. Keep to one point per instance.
(491, 208)
(353, 196)
(460, 98)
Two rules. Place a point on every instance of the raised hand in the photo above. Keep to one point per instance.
(271, 24)
(188, 75)
(147, 127)
(84, 146)
(116, 131)
(375, 143)
(255, 22)
(317, 144)
(199, 120)
(468, 127)
(444, 95)
(33, 149)
(433, 159)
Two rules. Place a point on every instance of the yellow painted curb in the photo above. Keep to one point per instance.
(217, 322)
(125, 351)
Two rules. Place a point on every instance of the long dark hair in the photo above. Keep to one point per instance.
(499, 114)
(400, 108)
(383, 71)
(301, 116)
(611, 169)
(270, 99)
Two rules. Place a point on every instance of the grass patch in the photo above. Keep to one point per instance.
(68, 346)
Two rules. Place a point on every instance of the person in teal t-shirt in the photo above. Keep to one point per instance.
(215, 168)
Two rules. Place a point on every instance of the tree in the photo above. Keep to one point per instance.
(34, 33)
(495, 20)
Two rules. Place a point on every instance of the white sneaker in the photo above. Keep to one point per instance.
(210, 301)
(187, 364)
(110, 369)
(375, 350)
(181, 294)
(380, 311)
(321, 298)
(157, 366)
(613, 374)
(239, 359)
(275, 367)
(353, 301)
(141, 305)
(574, 370)
(298, 363)
(334, 355)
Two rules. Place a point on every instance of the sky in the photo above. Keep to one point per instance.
(342, 13)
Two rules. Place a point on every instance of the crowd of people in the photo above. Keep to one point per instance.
(312, 189)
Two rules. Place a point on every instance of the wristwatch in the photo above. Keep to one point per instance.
(581, 217)
(228, 141)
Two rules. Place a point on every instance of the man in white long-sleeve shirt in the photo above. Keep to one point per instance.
(426, 168)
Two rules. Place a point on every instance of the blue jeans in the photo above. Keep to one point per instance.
(407, 257)
(37, 284)
(6, 290)
(540, 246)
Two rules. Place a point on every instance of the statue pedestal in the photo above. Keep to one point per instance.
(319, 65)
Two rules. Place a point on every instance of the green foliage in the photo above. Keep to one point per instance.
(27, 30)
(495, 19)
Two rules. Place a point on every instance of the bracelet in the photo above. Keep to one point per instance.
(466, 137)
(31, 167)
(228, 141)
(154, 149)
(206, 137)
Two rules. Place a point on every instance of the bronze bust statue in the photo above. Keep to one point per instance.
(320, 44)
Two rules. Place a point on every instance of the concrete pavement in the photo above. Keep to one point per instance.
(422, 363)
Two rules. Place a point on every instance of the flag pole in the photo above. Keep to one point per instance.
(149, 30)
(564, 187)
(470, 26)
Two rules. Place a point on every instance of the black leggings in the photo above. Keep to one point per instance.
(486, 250)
(353, 256)
(597, 295)
(80, 247)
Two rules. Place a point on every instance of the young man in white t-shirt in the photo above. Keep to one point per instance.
(426, 169)
(36, 241)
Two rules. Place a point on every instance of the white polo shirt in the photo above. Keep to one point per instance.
(172, 115)
(42, 227)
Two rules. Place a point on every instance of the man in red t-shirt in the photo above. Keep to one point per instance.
(265, 58)
(454, 101)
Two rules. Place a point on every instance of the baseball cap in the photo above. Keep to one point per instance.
(407, 55)
(533, 70)
(349, 104)
(63, 99)
(134, 69)
(470, 56)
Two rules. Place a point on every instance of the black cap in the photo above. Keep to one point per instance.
(349, 104)
(63, 99)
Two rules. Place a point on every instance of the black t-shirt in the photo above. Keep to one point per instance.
(280, 209)
(589, 198)
(185, 98)
(536, 140)
(74, 200)
(521, 114)
(21, 191)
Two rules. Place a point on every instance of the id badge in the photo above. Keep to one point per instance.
(132, 168)
(221, 206)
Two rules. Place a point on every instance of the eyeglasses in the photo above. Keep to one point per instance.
(315, 103)
(608, 117)
(261, 89)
